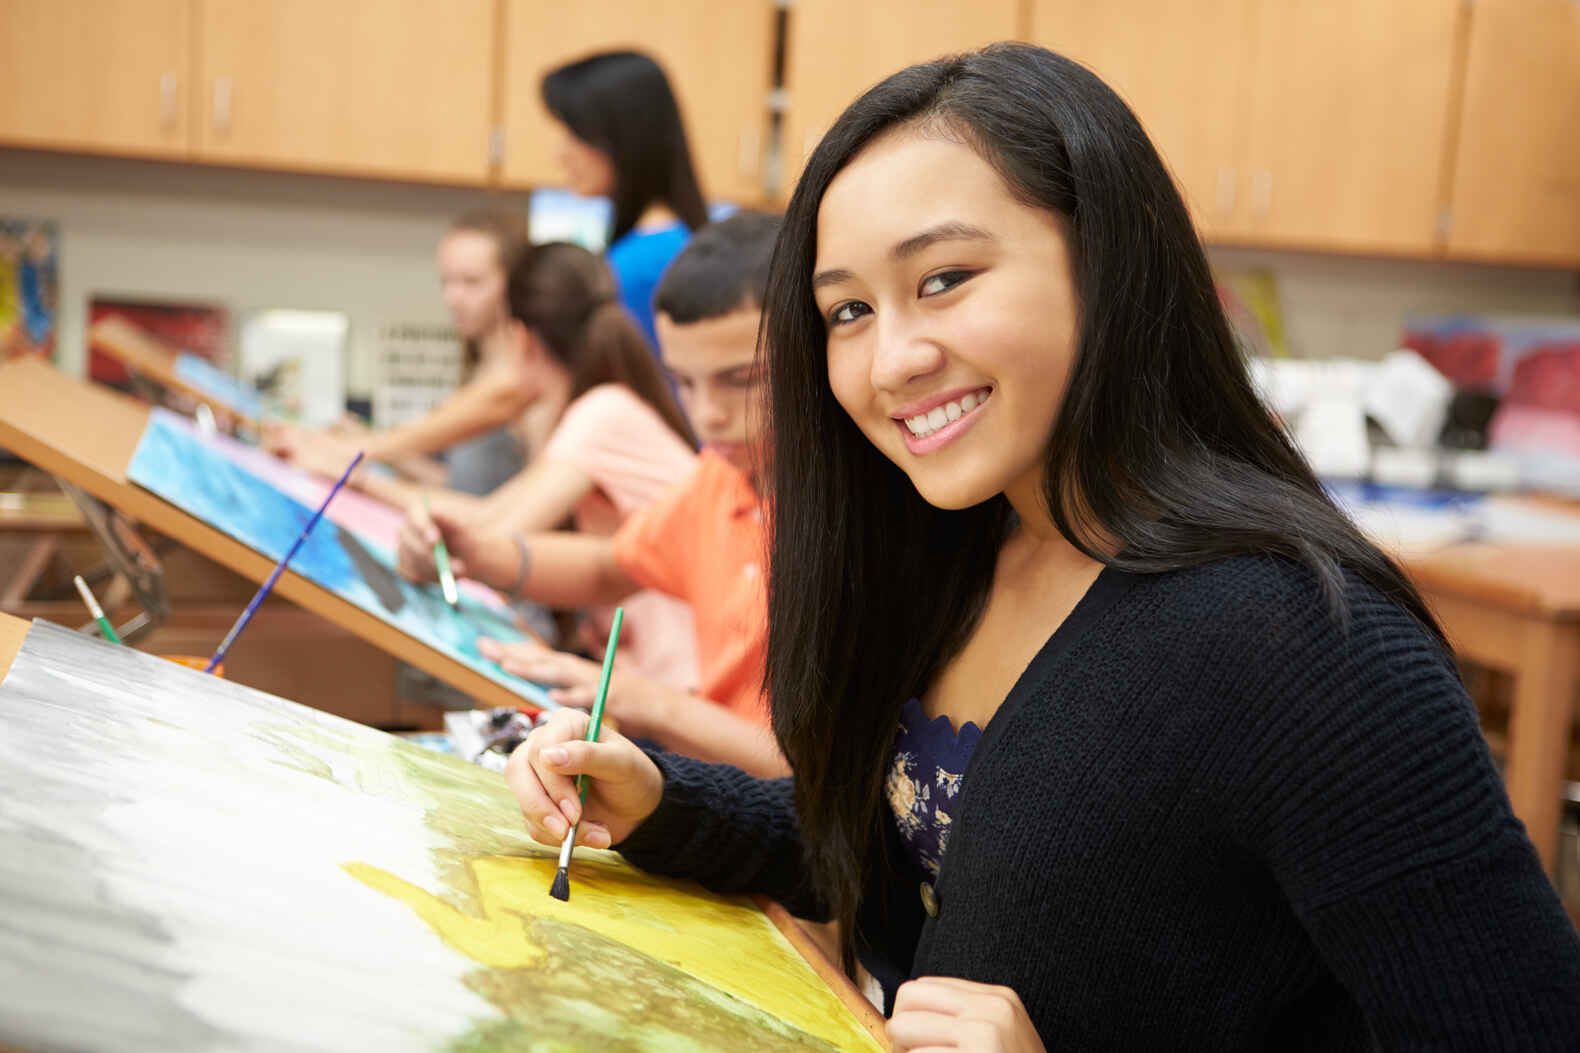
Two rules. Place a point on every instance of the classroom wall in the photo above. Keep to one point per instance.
(261, 239)
(245, 239)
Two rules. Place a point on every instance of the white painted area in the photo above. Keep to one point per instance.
(197, 822)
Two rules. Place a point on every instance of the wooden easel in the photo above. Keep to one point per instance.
(149, 359)
(85, 434)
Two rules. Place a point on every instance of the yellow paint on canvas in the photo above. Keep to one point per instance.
(722, 941)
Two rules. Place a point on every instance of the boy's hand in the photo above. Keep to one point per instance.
(624, 787)
(941, 1012)
(573, 680)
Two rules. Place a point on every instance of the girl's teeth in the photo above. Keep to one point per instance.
(924, 424)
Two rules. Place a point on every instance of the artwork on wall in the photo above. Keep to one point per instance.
(29, 286)
(264, 875)
(198, 475)
(199, 330)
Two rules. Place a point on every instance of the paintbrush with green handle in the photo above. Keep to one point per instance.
(561, 889)
(94, 609)
(441, 561)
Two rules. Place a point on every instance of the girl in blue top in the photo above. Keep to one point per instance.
(624, 139)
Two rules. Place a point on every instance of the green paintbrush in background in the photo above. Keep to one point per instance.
(94, 609)
(441, 560)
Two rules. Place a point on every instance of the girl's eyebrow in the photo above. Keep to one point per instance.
(831, 277)
(952, 230)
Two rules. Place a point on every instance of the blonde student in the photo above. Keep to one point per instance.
(1109, 730)
(479, 428)
(704, 542)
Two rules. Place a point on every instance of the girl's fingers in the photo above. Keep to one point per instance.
(544, 821)
(918, 1029)
(930, 995)
(593, 834)
(556, 781)
(614, 761)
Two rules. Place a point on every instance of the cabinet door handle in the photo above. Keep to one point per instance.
(167, 100)
(1261, 193)
(222, 97)
(1226, 181)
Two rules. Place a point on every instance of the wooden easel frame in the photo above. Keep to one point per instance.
(85, 434)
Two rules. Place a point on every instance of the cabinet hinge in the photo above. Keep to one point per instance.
(496, 146)
(1445, 222)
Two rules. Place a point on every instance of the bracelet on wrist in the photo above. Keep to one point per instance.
(524, 560)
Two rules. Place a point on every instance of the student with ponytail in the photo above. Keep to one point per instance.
(1108, 729)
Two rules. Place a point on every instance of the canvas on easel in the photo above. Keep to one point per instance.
(197, 475)
(186, 863)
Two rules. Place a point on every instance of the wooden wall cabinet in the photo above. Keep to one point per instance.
(837, 49)
(1351, 105)
(1516, 187)
(1185, 70)
(1303, 125)
(718, 57)
(397, 88)
(96, 75)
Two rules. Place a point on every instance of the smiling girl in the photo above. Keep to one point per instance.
(1109, 730)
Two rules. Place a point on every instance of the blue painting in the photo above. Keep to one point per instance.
(219, 385)
(201, 480)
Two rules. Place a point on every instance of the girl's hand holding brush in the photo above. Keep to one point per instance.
(624, 790)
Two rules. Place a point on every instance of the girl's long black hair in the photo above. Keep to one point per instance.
(1162, 456)
(621, 103)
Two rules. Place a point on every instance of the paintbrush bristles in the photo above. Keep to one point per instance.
(561, 889)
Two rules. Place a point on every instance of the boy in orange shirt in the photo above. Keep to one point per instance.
(703, 542)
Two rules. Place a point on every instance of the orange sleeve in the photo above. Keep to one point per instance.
(655, 547)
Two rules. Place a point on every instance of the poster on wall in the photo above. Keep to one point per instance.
(198, 329)
(29, 286)
(418, 367)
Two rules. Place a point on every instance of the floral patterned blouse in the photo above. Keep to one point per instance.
(930, 760)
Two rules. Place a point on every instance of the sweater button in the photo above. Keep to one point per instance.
(929, 900)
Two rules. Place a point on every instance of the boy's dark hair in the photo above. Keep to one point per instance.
(723, 269)
(621, 103)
